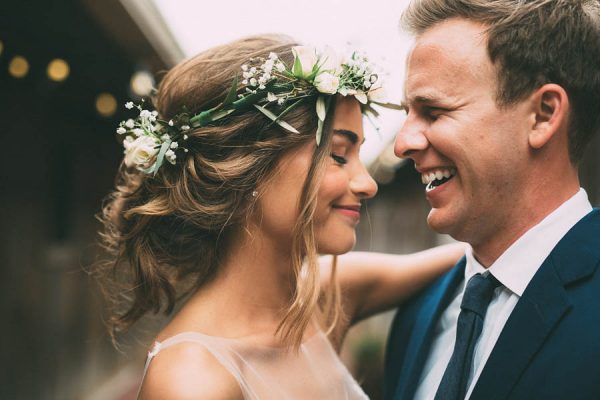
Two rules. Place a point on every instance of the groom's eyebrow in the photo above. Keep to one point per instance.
(351, 136)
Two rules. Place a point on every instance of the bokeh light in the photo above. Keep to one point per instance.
(106, 104)
(58, 70)
(18, 67)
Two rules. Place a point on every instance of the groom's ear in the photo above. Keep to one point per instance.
(550, 104)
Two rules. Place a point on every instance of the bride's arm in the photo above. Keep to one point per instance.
(375, 282)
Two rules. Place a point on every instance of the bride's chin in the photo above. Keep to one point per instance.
(336, 249)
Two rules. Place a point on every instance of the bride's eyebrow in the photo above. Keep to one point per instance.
(351, 136)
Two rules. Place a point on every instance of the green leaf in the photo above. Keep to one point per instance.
(391, 106)
(319, 132)
(275, 119)
(321, 109)
(232, 95)
(297, 67)
(220, 114)
(159, 159)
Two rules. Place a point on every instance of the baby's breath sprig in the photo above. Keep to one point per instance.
(149, 140)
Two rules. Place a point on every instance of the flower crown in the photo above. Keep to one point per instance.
(268, 82)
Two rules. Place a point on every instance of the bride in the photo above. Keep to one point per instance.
(227, 194)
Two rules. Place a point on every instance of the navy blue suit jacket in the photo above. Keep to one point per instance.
(550, 346)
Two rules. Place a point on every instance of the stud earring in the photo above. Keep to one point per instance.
(254, 193)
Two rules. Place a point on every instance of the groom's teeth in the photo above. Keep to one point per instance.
(428, 178)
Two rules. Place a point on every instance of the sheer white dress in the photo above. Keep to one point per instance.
(266, 372)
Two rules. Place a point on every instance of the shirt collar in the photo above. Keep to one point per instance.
(518, 264)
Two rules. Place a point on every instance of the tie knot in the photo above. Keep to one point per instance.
(478, 293)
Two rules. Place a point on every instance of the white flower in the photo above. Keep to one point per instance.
(253, 82)
(185, 128)
(171, 122)
(127, 142)
(280, 67)
(129, 123)
(129, 105)
(174, 145)
(186, 150)
(330, 61)
(121, 130)
(307, 57)
(281, 100)
(245, 82)
(145, 114)
(326, 82)
(185, 137)
(253, 70)
(138, 132)
(377, 94)
(246, 75)
(272, 56)
(152, 118)
(155, 113)
(141, 152)
(244, 67)
(170, 155)
(165, 137)
(271, 97)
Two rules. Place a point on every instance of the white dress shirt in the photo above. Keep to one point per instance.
(514, 269)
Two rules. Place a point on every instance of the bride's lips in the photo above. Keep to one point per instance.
(350, 210)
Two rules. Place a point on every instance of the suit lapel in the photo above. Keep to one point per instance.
(536, 314)
(540, 309)
(435, 300)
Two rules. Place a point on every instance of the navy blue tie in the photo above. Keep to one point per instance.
(477, 297)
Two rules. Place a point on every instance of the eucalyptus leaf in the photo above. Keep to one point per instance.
(391, 106)
(275, 119)
(321, 110)
(319, 133)
(159, 159)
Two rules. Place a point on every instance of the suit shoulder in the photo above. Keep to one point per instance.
(188, 371)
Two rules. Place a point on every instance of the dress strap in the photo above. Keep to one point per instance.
(224, 354)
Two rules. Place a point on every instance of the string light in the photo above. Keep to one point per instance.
(106, 104)
(18, 67)
(58, 70)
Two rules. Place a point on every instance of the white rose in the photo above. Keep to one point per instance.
(327, 83)
(141, 151)
(307, 57)
(330, 61)
(377, 94)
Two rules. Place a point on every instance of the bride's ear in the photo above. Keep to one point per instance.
(550, 105)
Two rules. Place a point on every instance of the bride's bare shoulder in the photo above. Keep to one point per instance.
(188, 371)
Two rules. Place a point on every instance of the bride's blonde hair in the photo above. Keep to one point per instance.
(156, 229)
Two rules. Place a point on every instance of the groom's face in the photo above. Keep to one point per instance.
(470, 152)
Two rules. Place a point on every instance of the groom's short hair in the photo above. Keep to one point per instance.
(532, 43)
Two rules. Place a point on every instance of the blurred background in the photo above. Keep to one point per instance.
(66, 69)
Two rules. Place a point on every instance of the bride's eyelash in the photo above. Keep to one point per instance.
(339, 159)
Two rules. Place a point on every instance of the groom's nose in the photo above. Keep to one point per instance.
(410, 139)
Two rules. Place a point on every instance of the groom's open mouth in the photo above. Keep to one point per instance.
(437, 177)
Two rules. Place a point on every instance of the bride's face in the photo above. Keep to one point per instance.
(344, 185)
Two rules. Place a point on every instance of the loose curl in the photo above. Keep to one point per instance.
(156, 228)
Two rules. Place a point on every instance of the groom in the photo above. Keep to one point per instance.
(503, 97)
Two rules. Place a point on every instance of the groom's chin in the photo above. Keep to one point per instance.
(440, 221)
